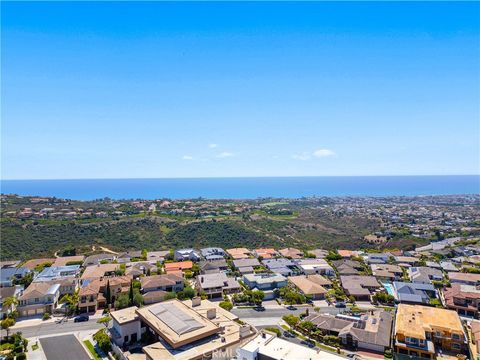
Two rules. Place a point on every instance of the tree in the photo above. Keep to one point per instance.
(104, 320)
(130, 294)
(107, 294)
(144, 254)
(137, 299)
(258, 296)
(9, 302)
(7, 324)
(122, 302)
(333, 255)
(308, 326)
(291, 319)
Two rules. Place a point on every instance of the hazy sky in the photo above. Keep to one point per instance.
(107, 90)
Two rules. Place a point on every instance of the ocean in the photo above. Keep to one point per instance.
(245, 188)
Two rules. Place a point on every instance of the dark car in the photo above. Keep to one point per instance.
(340, 305)
(308, 343)
(288, 334)
(81, 318)
(259, 308)
(291, 307)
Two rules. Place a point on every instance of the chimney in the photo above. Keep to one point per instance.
(244, 331)
(211, 313)
(307, 311)
(196, 301)
(201, 279)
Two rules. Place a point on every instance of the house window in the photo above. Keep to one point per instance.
(438, 334)
(455, 346)
(37, 299)
(455, 337)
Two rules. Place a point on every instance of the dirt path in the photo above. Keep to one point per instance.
(107, 250)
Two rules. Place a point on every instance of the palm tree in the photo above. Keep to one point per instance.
(9, 302)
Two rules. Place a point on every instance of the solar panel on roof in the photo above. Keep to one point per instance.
(176, 319)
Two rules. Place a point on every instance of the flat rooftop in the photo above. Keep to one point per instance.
(415, 320)
(177, 323)
(228, 333)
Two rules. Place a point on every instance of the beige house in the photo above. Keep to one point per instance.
(38, 298)
(308, 287)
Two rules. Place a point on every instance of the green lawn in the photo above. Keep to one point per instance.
(92, 350)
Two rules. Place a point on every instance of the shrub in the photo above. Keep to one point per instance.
(274, 330)
(21, 356)
(103, 340)
(46, 316)
(227, 305)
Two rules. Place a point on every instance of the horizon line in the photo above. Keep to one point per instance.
(235, 177)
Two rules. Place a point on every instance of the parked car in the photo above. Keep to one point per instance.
(291, 307)
(340, 304)
(81, 318)
(308, 343)
(288, 334)
(259, 308)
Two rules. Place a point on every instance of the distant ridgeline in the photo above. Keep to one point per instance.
(34, 226)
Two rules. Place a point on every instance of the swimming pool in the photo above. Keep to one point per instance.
(389, 288)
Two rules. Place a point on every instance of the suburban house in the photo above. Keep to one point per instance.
(291, 253)
(424, 275)
(213, 253)
(265, 282)
(308, 287)
(213, 266)
(407, 260)
(216, 285)
(377, 258)
(265, 253)
(281, 266)
(186, 254)
(370, 332)
(413, 293)
(386, 271)
(91, 296)
(68, 285)
(267, 346)
(98, 258)
(464, 278)
(347, 267)
(167, 283)
(57, 273)
(188, 330)
(360, 287)
(8, 275)
(157, 256)
(94, 272)
(7, 292)
(69, 260)
(176, 267)
(126, 327)
(127, 257)
(422, 330)
(315, 266)
(464, 299)
(33, 263)
(246, 266)
(239, 253)
(140, 268)
(38, 298)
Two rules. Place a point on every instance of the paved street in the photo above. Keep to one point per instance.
(53, 328)
(271, 316)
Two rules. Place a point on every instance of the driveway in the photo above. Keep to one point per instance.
(57, 347)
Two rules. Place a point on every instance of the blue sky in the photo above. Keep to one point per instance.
(132, 90)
